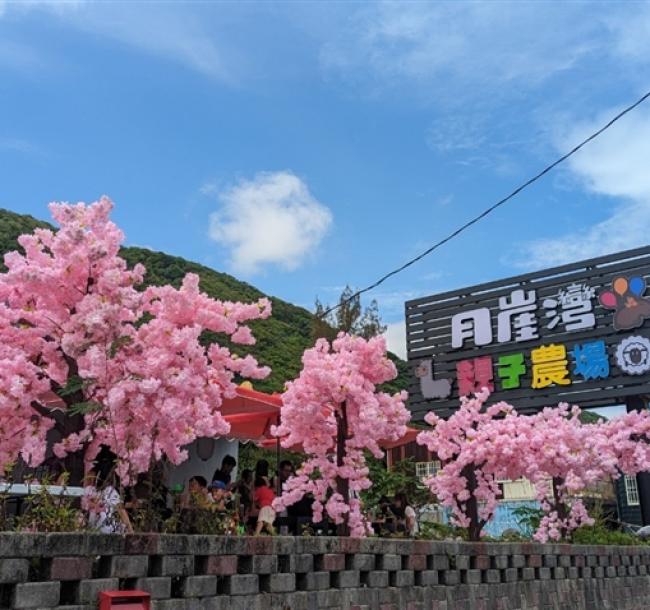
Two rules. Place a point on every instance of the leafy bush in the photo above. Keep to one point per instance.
(46, 512)
(6, 522)
(203, 518)
(599, 534)
(400, 478)
(441, 531)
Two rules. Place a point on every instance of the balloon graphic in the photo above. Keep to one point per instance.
(637, 285)
(620, 285)
(608, 299)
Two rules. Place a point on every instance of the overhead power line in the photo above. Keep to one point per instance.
(489, 210)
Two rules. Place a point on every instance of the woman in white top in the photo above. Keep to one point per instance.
(406, 513)
(103, 504)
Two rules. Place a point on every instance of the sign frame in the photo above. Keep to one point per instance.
(428, 337)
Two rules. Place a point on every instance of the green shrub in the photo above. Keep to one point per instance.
(430, 530)
(400, 478)
(45, 512)
(599, 534)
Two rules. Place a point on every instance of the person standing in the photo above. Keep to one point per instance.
(102, 501)
(264, 497)
(224, 474)
(285, 471)
(406, 513)
(245, 490)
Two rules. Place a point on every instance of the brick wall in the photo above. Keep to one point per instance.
(67, 571)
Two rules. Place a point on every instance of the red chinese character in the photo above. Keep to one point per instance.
(474, 375)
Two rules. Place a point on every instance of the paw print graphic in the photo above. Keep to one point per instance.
(626, 299)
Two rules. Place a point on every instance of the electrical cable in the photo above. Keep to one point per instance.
(489, 210)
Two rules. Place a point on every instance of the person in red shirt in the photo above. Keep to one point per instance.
(264, 497)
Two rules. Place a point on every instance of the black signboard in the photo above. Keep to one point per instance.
(578, 333)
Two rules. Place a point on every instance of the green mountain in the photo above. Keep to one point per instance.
(281, 339)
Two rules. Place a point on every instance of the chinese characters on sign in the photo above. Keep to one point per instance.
(570, 310)
(550, 366)
(510, 370)
(517, 313)
(579, 332)
(591, 361)
(473, 375)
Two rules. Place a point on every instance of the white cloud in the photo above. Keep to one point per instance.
(632, 36)
(472, 44)
(614, 165)
(455, 133)
(161, 29)
(396, 338)
(627, 227)
(272, 219)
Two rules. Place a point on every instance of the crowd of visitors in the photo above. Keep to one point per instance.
(246, 503)
(252, 496)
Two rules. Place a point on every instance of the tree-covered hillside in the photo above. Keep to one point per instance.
(281, 339)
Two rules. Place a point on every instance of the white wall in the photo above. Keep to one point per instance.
(194, 465)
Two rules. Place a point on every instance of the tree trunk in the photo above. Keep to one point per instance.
(475, 524)
(342, 485)
(558, 505)
(74, 462)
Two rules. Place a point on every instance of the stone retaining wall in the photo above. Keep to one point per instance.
(66, 571)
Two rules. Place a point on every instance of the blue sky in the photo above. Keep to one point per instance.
(303, 146)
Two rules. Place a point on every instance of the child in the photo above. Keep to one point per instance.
(218, 493)
(197, 494)
(264, 497)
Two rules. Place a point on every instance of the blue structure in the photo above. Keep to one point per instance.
(505, 519)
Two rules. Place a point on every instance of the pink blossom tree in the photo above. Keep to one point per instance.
(334, 412)
(127, 363)
(554, 450)
(563, 460)
(567, 457)
(627, 440)
(477, 447)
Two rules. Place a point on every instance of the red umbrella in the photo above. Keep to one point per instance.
(251, 413)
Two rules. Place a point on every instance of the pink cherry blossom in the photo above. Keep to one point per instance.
(477, 447)
(334, 411)
(72, 311)
(563, 461)
(553, 449)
